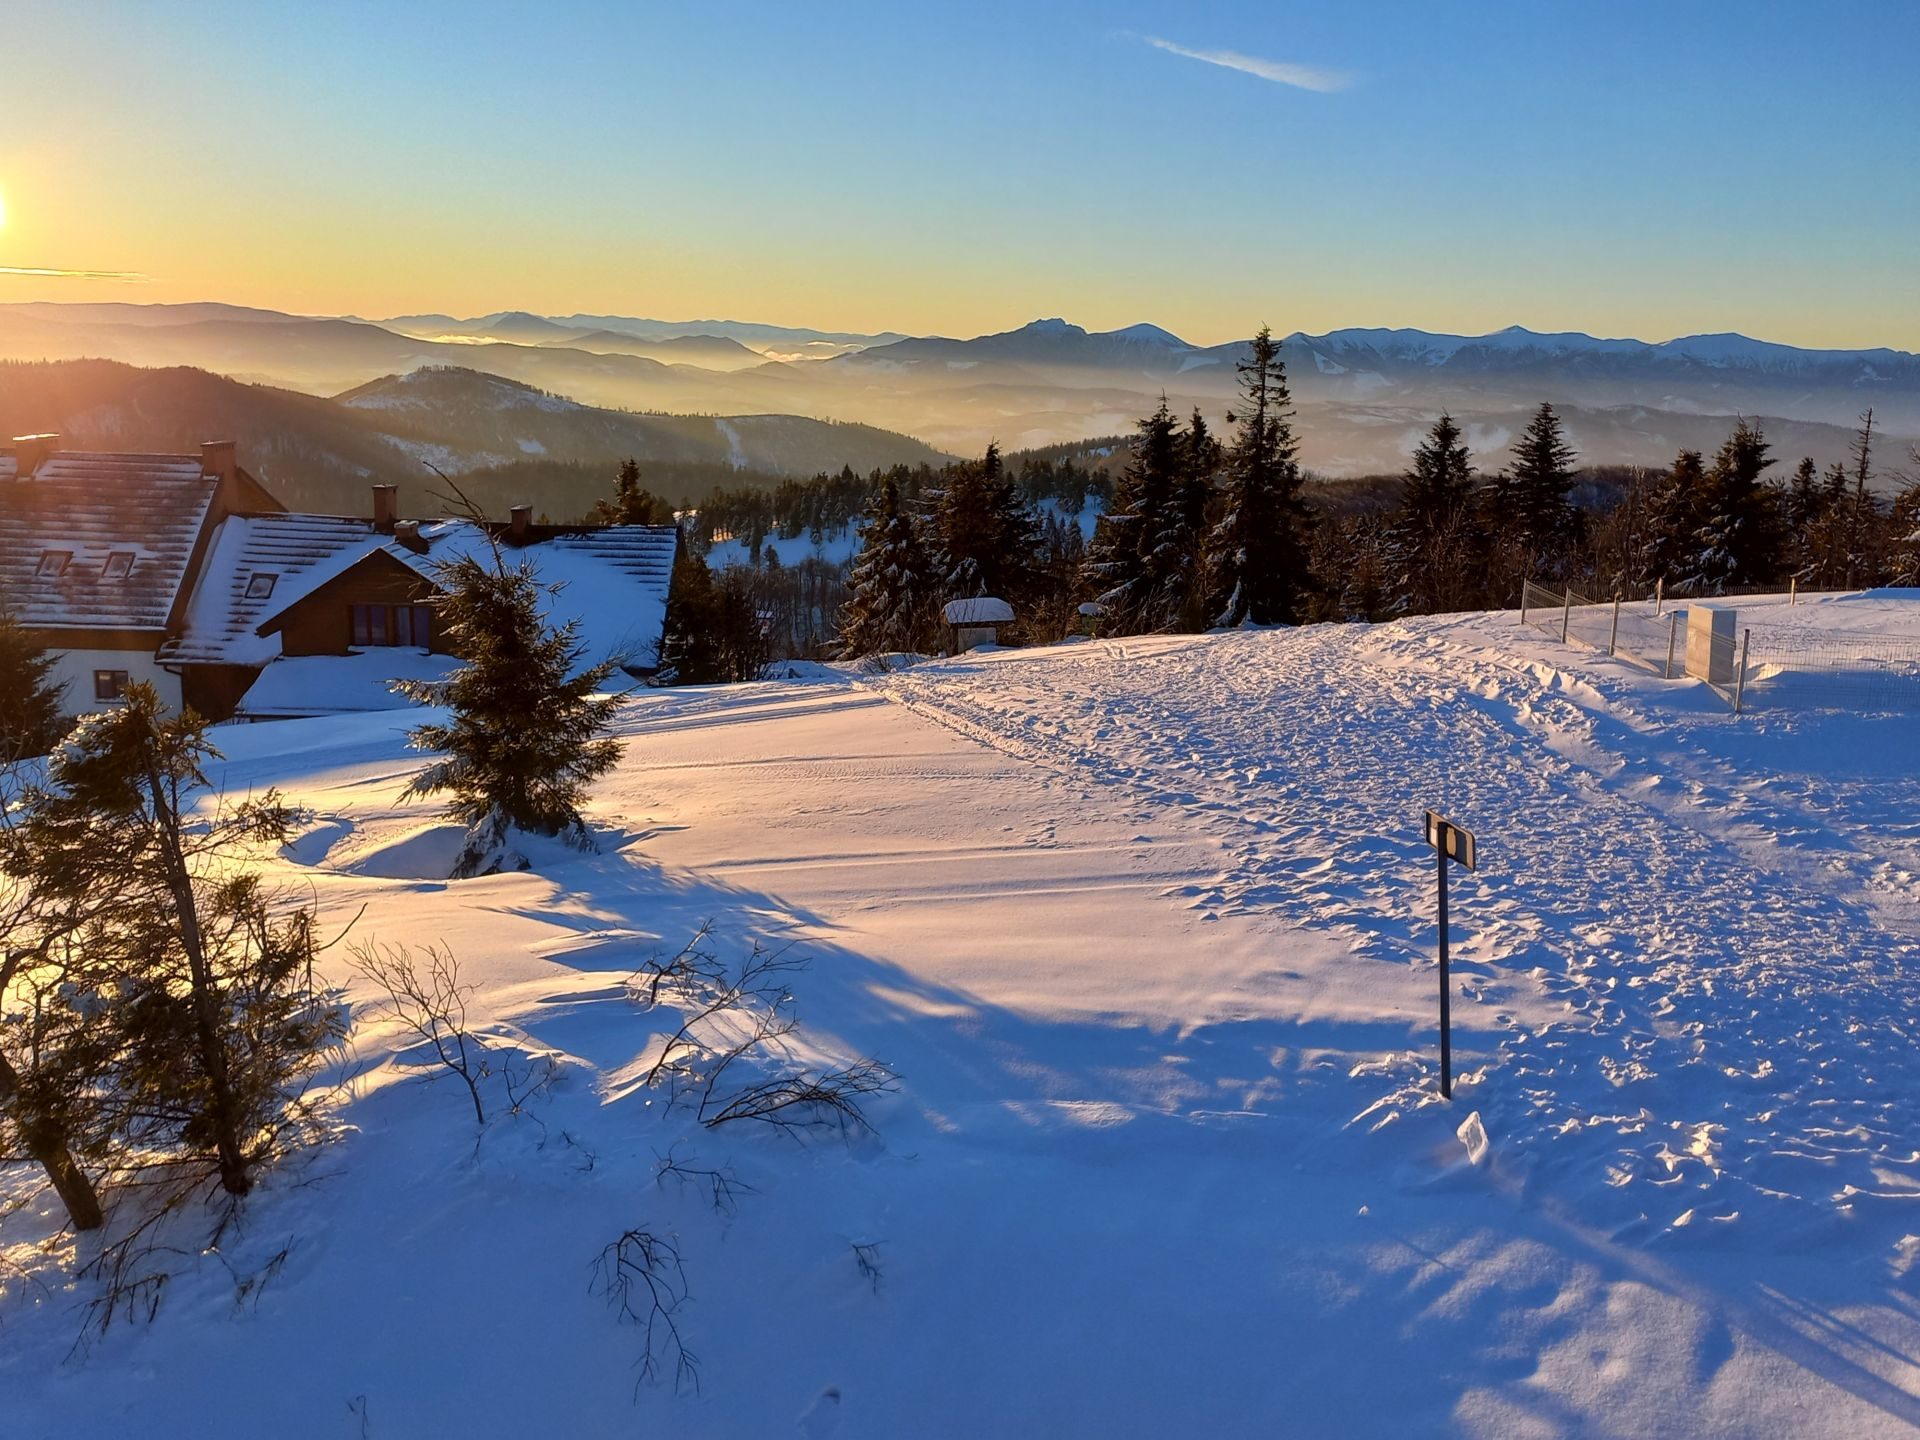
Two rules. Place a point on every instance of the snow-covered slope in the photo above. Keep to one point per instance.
(1146, 928)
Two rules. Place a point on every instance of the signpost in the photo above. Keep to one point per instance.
(1449, 842)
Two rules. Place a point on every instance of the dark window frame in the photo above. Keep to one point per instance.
(53, 564)
(390, 627)
(257, 591)
(118, 566)
(110, 686)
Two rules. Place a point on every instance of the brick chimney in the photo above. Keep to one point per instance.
(30, 451)
(519, 521)
(407, 532)
(386, 508)
(219, 458)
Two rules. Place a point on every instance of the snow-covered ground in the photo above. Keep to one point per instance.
(1146, 929)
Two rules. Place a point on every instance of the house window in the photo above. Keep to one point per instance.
(260, 584)
(119, 565)
(109, 684)
(393, 625)
(54, 562)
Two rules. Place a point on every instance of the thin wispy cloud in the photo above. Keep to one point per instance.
(49, 272)
(1280, 72)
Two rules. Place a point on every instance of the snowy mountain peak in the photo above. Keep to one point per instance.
(1053, 326)
(1148, 334)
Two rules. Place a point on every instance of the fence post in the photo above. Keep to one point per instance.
(1566, 615)
(1525, 585)
(1659, 593)
(1673, 629)
(1740, 680)
(1613, 640)
(1793, 590)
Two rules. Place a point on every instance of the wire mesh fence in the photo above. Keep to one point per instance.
(1763, 664)
(1860, 670)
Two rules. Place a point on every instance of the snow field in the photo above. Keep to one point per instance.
(1146, 929)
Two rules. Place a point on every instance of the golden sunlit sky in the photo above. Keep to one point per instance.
(1633, 169)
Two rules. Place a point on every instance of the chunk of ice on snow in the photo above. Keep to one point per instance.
(1473, 1135)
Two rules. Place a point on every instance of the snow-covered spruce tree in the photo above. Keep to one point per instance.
(1427, 539)
(1903, 550)
(1185, 534)
(1537, 485)
(53, 1057)
(981, 536)
(1799, 510)
(1132, 564)
(632, 503)
(30, 719)
(1257, 552)
(529, 724)
(690, 643)
(890, 607)
(1738, 541)
(1669, 548)
(198, 985)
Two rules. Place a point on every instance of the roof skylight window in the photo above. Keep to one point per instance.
(260, 585)
(53, 563)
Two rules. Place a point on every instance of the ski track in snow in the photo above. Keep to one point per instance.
(1717, 1094)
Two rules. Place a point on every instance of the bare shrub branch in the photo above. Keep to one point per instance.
(643, 1280)
(426, 996)
(724, 1188)
(800, 1101)
(867, 1258)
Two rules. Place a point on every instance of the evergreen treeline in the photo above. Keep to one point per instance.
(1192, 530)
(1201, 532)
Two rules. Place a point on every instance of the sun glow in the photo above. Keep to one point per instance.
(3, 209)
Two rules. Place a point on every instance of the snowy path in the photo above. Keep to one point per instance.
(1715, 1089)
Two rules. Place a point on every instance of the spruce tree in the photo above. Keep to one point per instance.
(199, 983)
(1538, 485)
(982, 537)
(55, 1055)
(1738, 538)
(1184, 536)
(689, 644)
(1671, 551)
(30, 718)
(1903, 551)
(890, 607)
(529, 727)
(1257, 555)
(1134, 559)
(1863, 510)
(1426, 543)
(632, 503)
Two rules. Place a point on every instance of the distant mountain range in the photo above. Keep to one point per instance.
(323, 453)
(1363, 395)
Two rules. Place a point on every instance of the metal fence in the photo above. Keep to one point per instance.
(1768, 664)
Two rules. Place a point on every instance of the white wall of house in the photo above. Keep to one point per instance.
(77, 667)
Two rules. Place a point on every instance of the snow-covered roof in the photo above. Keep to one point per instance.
(613, 582)
(256, 567)
(99, 541)
(297, 686)
(980, 610)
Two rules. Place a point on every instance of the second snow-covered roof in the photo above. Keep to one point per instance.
(979, 610)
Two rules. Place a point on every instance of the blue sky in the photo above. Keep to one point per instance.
(1646, 169)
